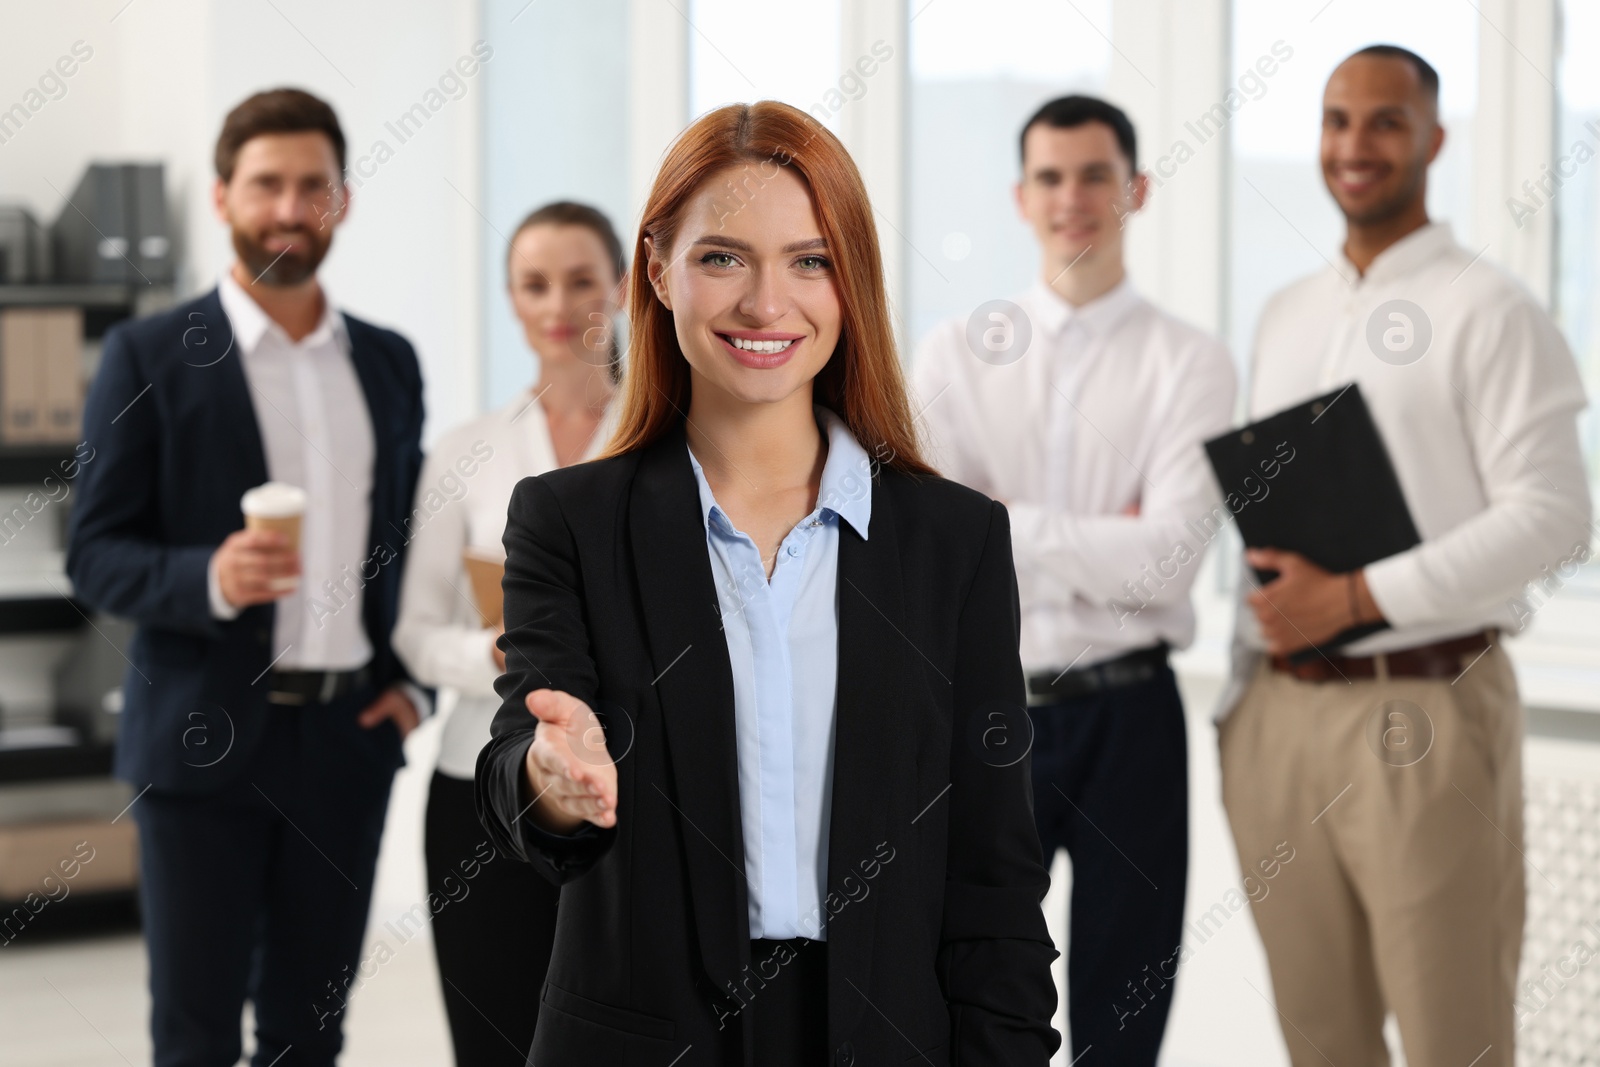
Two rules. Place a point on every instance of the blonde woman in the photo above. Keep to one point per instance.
(495, 917)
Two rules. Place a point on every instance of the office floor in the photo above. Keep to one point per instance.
(82, 1003)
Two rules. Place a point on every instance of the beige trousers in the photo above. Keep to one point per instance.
(1402, 801)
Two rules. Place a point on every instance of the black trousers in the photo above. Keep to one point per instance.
(1111, 786)
(492, 933)
(789, 1004)
(261, 891)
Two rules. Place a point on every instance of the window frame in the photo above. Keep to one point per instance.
(1190, 41)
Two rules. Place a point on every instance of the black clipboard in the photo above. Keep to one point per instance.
(1316, 479)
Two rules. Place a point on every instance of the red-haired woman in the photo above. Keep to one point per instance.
(763, 713)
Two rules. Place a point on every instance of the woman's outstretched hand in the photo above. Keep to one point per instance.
(570, 774)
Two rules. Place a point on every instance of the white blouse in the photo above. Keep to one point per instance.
(461, 501)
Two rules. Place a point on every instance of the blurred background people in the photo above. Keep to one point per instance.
(264, 707)
(564, 272)
(1082, 407)
(1393, 766)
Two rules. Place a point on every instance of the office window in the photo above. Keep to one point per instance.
(741, 51)
(550, 132)
(978, 70)
(1283, 223)
(1577, 206)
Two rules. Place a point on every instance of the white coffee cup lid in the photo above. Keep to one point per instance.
(274, 500)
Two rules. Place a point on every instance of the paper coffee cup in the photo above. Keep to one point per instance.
(276, 506)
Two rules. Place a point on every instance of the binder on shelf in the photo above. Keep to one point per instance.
(41, 376)
(24, 247)
(61, 352)
(1335, 500)
(21, 420)
(153, 243)
(113, 228)
(91, 235)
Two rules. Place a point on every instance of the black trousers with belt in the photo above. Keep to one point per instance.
(1111, 786)
(492, 932)
(261, 890)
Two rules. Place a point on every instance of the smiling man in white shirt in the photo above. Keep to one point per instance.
(1082, 407)
(1392, 765)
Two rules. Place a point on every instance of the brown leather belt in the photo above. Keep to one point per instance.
(1442, 659)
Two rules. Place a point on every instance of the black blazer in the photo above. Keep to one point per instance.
(175, 445)
(937, 947)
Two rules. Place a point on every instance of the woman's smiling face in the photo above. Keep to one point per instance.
(563, 291)
(750, 284)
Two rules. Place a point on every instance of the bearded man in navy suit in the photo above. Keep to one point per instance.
(264, 709)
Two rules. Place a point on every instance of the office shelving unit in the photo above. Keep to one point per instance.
(53, 794)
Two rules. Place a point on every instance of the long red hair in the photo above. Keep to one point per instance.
(862, 381)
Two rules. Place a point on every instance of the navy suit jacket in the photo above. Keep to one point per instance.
(175, 445)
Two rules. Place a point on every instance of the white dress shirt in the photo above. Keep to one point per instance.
(1106, 407)
(316, 433)
(1481, 427)
(462, 497)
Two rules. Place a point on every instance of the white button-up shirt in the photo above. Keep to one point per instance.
(1107, 406)
(1480, 424)
(316, 433)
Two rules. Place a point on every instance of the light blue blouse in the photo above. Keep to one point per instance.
(783, 644)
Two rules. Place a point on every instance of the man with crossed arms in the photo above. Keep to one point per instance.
(1089, 429)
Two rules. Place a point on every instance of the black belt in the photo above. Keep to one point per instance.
(1130, 668)
(314, 687)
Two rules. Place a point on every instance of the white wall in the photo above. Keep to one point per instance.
(162, 75)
